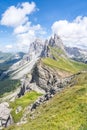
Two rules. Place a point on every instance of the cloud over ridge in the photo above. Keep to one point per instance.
(73, 33)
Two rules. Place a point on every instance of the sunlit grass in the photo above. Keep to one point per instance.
(24, 101)
(62, 62)
(65, 65)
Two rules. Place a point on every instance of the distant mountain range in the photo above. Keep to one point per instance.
(4, 56)
(8, 59)
(77, 54)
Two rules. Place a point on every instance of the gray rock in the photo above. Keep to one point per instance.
(47, 78)
(5, 117)
(24, 87)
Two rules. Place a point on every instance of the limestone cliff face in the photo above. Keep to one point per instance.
(47, 78)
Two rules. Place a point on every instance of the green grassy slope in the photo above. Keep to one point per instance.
(23, 102)
(65, 64)
(65, 111)
(62, 62)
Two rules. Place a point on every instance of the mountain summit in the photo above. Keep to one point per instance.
(56, 41)
(54, 44)
(39, 48)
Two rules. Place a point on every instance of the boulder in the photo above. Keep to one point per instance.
(5, 117)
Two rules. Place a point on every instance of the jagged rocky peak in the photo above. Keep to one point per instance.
(56, 41)
(37, 45)
(44, 52)
(40, 48)
(35, 48)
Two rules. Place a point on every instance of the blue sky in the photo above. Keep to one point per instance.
(67, 18)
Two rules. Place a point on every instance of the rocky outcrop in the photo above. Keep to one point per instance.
(24, 86)
(5, 117)
(47, 78)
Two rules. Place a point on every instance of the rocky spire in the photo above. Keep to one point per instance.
(56, 41)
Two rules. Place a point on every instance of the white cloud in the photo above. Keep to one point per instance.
(8, 46)
(23, 29)
(15, 16)
(27, 34)
(26, 28)
(73, 33)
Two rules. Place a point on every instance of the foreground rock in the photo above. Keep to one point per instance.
(5, 117)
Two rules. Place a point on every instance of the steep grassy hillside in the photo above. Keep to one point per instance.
(65, 111)
(62, 62)
(65, 64)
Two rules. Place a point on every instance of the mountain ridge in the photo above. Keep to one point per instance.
(47, 70)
